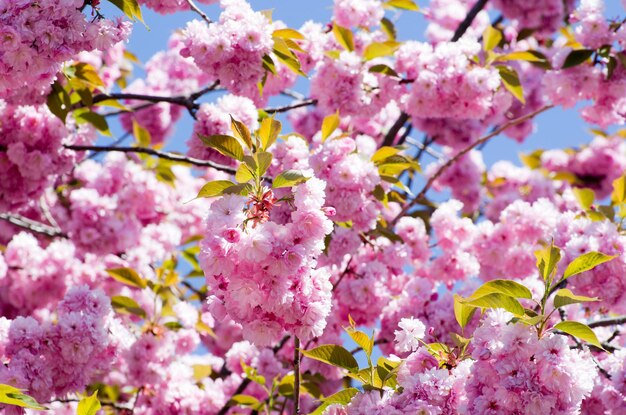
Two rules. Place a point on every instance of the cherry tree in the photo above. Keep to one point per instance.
(349, 252)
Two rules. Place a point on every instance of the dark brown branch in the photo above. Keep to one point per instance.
(296, 374)
(290, 107)
(161, 154)
(32, 225)
(614, 321)
(395, 128)
(469, 18)
(463, 152)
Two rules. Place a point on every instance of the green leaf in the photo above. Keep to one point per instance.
(576, 57)
(95, 119)
(618, 196)
(284, 53)
(241, 189)
(585, 197)
(269, 131)
(240, 131)
(402, 4)
(383, 69)
(244, 400)
(329, 125)
(127, 276)
(88, 74)
(497, 300)
(586, 262)
(263, 161)
(201, 371)
(343, 397)
(565, 297)
(506, 287)
(130, 8)
(333, 355)
(141, 135)
(127, 305)
(379, 49)
(288, 34)
(384, 152)
(269, 65)
(580, 331)
(289, 178)
(88, 405)
(344, 36)
(214, 188)
(10, 395)
(491, 38)
(547, 259)
(225, 144)
(527, 55)
(59, 101)
(252, 374)
(244, 174)
(387, 26)
(362, 339)
(511, 82)
(462, 312)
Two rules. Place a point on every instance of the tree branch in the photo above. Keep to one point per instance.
(463, 152)
(290, 107)
(614, 321)
(161, 154)
(32, 225)
(395, 128)
(469, 18)
(196, 9)
(296, 372)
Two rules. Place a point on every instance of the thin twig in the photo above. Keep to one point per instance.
(343, 274)
(425, 149)
(469, 18)
(614, 321)
(196, 9)
(296, 373)
(161, 154)
(463, 152)
(32, 225)
(290, 107)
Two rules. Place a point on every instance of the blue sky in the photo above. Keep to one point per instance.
(556, 129)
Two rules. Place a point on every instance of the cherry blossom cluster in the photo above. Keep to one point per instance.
(38, 37)
(32, 153)
(287, 290)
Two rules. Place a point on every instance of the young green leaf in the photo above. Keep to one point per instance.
(491, 38)
(383, 69)
(329, 125)
(507, 287)
(127, 305)
(565, 297)
(384, 152)
(580, 331)
(288, 178)
(263, 161)
(343, 397)
(496, 300)
(462, 312)
(387, 26)
(362, 339)
(269, 131)
(288, 34)
(130, 8)
(547, 259)
(10, 395)
(244, 174)
(585, 197)
(402, 4)
(618, 196)
(576, 57)
(89, 405)
(586, 262)
(215, 188)
(240, 131)
(510, 80)
(527, 55)
(141, 135)
(225, 144)
(127, 276)
(378, 49)
(344, 36)
(333, 355)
